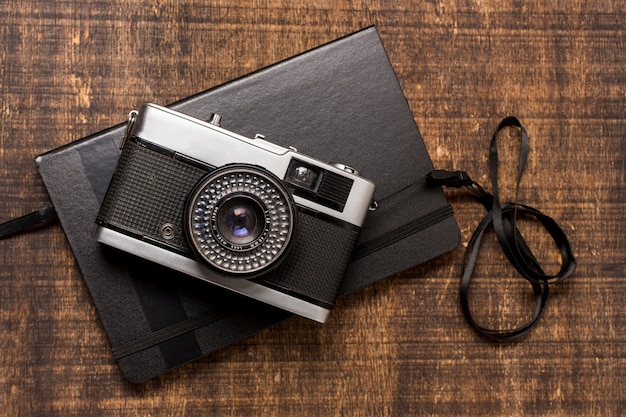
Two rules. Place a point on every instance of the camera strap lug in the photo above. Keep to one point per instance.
(132, 116)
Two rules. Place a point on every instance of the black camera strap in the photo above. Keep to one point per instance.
(503, 218)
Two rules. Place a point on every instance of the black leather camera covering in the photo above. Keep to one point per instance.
(340, 102)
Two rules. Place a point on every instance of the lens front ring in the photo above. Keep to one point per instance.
(240, 220)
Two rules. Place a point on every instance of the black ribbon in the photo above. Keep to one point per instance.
(28, 222)
(503, 217)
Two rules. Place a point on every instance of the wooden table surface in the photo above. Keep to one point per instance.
(401, 347)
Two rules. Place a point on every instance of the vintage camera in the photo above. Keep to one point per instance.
(244, 214)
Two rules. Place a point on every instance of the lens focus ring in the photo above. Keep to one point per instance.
(240, 219)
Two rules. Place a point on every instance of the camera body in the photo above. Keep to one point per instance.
(244, 214)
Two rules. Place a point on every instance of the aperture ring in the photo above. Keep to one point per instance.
(220, 251)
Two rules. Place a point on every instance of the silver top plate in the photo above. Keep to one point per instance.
(217, 146)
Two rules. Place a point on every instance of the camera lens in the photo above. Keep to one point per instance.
(240, 220)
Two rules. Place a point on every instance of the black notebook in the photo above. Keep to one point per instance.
(340, 102)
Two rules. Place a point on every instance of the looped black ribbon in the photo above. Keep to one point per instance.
(503, 217)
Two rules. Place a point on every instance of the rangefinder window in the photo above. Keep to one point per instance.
(318, 185)
(303, 175)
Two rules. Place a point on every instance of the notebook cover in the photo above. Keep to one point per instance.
(340, 102)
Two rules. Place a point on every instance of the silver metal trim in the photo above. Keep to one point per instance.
(132, 116)
(215, 119)
(218, 147)
(191, 267)
(346, 168)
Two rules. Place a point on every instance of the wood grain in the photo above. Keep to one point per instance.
(401, 347)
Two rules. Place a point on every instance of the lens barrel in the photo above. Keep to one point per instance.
(240, 220)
